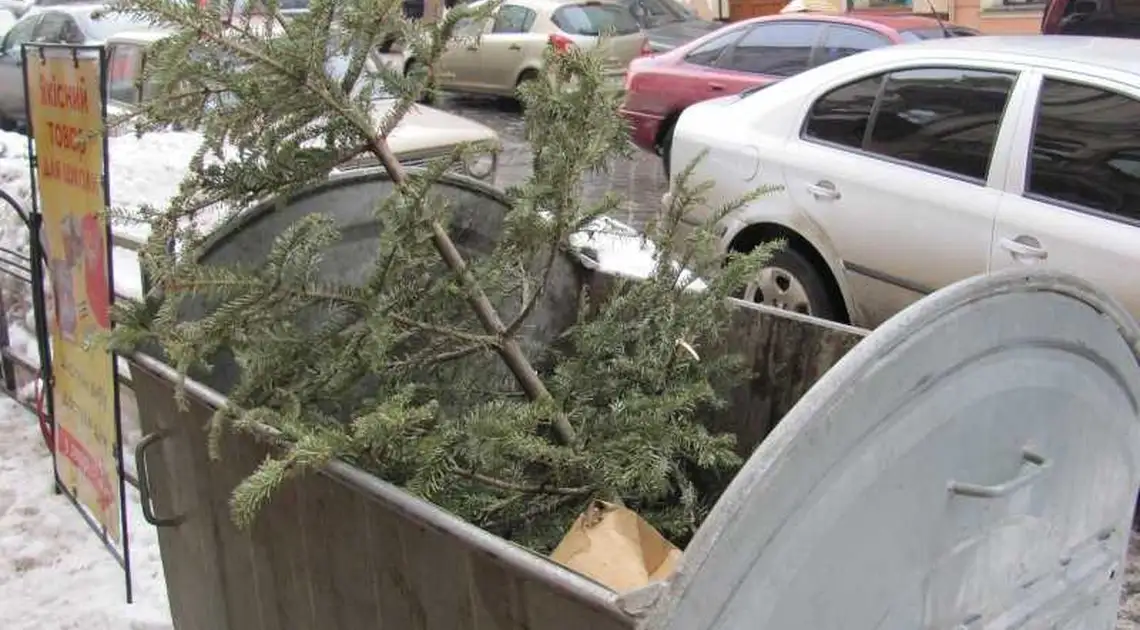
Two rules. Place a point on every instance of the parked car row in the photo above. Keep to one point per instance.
(512, 41)
(903, 169)
(425, 133)
(750, 55)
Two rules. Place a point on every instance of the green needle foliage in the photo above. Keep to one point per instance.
(437, 376)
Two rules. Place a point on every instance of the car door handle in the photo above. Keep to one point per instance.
(823, 190)
(716, 87)
(473, 47)
(514, 47)
(1024, 247)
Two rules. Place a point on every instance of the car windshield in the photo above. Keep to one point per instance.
(920, 34)
(651, 13)
(337, 66)
(595, 18)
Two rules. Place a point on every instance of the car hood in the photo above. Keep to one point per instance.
(427, 132)
(424, 131)
(669, 36)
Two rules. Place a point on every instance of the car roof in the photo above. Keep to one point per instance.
(85, 8)
(148, 36)
(894, 22)
(1110, 53)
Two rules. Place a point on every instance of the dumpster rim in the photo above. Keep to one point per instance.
(236, 223)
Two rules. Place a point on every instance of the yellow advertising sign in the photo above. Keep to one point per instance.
(66, 114)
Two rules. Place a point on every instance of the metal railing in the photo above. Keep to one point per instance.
(16, 369)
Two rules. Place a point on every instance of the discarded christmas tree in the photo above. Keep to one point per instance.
(430, 373)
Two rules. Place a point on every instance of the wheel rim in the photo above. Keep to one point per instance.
(779, 288)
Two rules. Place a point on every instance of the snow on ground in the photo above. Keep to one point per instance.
(55, 574)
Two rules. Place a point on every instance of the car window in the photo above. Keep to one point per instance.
(50, 28)
(512, 18)
(920, 34)
(1086, 149)
(124, 67)
(843, 115)
(653, 13)
(595, 19)
(843, 41)
(941, 118)
(779, 49)
(468, 27)
(709, 52)
(20, 34)
(71, 34)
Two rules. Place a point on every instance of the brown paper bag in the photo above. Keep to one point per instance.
(615, 546)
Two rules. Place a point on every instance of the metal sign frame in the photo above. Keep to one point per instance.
(40, 53)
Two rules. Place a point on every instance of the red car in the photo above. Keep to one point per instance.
(752, 54)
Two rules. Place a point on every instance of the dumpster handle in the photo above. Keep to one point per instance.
(1037, 465)
(144, 483)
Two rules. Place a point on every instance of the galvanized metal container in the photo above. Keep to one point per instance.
(972, 463)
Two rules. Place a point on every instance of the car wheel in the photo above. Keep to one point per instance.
(665, 146)
(412, 67)
(385, 46)
(525, 77)
(789, 281)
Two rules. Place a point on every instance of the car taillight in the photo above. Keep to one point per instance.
(646, 49)
(561, 43)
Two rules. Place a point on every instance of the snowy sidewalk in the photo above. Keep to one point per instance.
(54, 572)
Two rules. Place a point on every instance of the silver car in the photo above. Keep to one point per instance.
(511, 42)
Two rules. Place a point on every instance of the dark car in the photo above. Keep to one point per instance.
(1102, 18)
(668, 23)
(750, 55)
(60, 24)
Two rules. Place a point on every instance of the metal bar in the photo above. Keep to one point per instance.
(38, 259)
(15, 275)
(14, 259)
(6, 367)
(16, 253)
(109, 245)
(11, 201)
(20, 360)
(94, 525)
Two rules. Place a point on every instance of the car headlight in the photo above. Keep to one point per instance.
(481, 165)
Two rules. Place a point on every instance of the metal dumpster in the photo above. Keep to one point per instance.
(970, 464)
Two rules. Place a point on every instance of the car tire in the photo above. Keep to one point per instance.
(410, 68)
(791, 282)
(526, 76)
(665, 146)
(385, 46)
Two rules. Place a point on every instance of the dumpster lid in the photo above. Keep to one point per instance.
(971, 464)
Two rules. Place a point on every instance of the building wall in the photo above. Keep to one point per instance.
(993, 17)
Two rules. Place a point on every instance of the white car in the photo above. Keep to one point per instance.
(425, 133)
(904, 169)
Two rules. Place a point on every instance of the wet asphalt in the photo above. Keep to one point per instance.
(640, 180)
